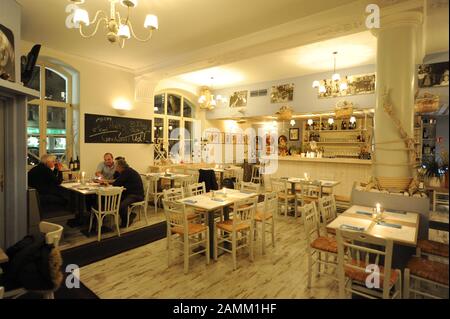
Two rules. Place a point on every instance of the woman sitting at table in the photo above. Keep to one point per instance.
(134, 189)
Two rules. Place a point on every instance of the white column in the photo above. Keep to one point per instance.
(399, 49)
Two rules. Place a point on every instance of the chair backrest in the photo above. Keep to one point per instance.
(239, 175)
(193, 173)
(250, 187)
(109, 199)
(196, 189)
(244, 212)
(173, 194)
(175, 215)
(327, 209)
(279, 185)
(311, 189)
(270, 205)
(310, 222)
(357, 250)
(152, 183)
(149, 186)
(53, 232)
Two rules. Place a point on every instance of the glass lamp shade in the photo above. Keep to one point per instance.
(352, 119)
(124, 31)
(213, 101)
(315, 84)
(336, 77)
(330, 121)
(322, 89)
(129, 3)
(292, 122)
(151, 22)
(310, 122)
(81, 16)
(343, 86)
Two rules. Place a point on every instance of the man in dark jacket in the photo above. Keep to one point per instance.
(134, 189)
(46, 177)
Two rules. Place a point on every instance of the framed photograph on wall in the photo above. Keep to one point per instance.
(282, 93)
(435, 74)
(294, 134)
(7, 57)
(238, 99)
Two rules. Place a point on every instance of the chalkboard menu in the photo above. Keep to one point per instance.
(113, 129)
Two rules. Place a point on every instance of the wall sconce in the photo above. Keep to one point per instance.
(330, 121)
(122, 106)
(292, 122)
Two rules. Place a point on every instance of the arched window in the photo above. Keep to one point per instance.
(49, 118)
(174, 125)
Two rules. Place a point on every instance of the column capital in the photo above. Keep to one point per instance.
(401, 19)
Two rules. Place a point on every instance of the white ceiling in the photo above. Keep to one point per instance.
(185, 25)
(189, 25)
(353, 50)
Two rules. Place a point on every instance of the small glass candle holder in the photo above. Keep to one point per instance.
(83, 178)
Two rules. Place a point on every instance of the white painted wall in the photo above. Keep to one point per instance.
(100, 85)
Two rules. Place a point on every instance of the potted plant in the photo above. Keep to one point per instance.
(432, 172)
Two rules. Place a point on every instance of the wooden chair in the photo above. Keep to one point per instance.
(239, 176)
(426, 278)
(328, 213)
(241, 225)
(250, 187)
(285, 198)
(256, 174)
(265, 216)
(432, 248)
(364, 266)
(196, 189)
(173, 194)
(319, 248)
(108, 203)
(154, 194)
(187, 234)
(142, 206)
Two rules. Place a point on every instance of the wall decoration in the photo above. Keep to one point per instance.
(282, 146)
(356, 84)
(282, 93)
(238, 99)
(435, 74)
(294, 134)
(7, 59)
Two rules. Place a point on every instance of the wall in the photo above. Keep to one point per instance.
(442, 131)
(100, 85)
(305, 96)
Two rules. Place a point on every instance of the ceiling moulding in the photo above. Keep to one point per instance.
(336, 22)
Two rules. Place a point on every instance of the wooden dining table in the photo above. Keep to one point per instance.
(399, 226)
(172, 177)
(221, 201)
(323, 183)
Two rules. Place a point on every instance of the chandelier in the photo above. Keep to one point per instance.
(118, 29)
(335, 86)
(207, 100)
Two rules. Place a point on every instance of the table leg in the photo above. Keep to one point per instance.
(212, 235)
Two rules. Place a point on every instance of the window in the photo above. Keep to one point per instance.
(173, 125)
(49, 118)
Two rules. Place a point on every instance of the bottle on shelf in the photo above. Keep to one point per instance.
(77, 164)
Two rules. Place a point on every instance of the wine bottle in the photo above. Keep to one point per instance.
(71, 164)
(77, 164)
(342, 125)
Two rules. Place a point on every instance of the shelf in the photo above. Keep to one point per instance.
(339, 142)
(336, 131)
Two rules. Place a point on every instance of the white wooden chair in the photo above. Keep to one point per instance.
(286, 200)
(319, 248)
(140, 207)
(256, 174)
(53, 233)
(364, 266)
(250, 187)
(196, 189)
(239, 176)
(426, 278)
(265, 215)
(154, 195)
(328, 212)
(108, 204)
(241, 224)
(173, 194)
(187, 234)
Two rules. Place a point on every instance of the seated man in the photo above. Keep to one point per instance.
(106, 169)
(134, 189)
(46, 178)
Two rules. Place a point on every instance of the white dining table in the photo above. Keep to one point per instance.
(172, 177)
(323, 183)
(222, 199)
(401, 227)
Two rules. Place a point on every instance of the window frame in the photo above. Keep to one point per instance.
(44, 104)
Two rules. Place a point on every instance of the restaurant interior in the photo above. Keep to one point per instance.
(284, 149)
